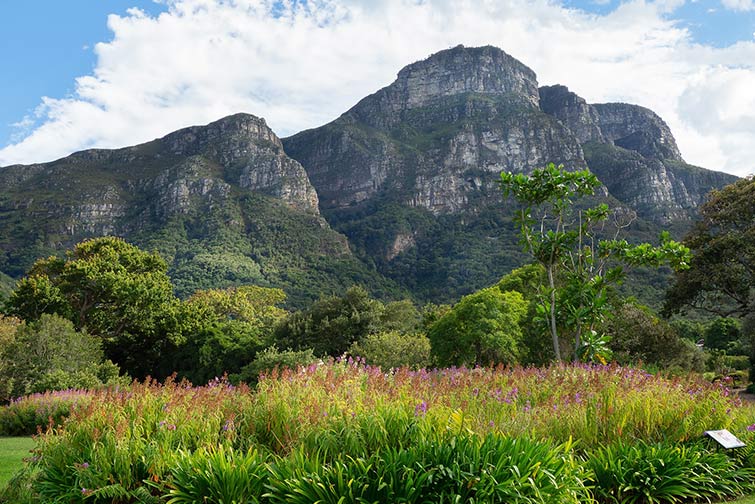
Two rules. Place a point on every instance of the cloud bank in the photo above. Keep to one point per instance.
(300, 63)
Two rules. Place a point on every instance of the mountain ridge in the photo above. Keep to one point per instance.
(400, 192)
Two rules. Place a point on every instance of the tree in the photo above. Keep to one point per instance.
(527, 281)
(578, 265)
(272, 358)
(726, 334)
(638, 335)
(50, 354)
(112, 290)
(721, 276)
(392, 349)
(232, 326)
(331, 325)
(483, 328)
(250, 304)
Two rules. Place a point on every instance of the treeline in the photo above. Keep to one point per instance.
(106, 312)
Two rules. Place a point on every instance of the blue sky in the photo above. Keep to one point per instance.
(45, 45)
(75, 78)
(708, 21)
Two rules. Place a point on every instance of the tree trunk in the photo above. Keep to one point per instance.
(554, 331)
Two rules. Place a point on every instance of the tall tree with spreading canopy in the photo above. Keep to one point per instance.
(481, 329)
(114, 291)
(721, 277)
(580, 267)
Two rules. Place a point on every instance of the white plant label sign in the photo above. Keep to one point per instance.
(725, 438)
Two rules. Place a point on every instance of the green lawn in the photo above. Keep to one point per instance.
(12, 452)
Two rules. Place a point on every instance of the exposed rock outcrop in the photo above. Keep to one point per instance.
(438, 136)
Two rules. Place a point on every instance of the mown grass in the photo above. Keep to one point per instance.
(12, 452)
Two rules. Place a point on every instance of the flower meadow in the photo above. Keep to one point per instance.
(347, 432)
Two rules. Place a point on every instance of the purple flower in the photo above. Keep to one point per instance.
(85, 465)
(420, 409)
(751, 427)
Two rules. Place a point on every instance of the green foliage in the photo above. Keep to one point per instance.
(6, 286)
(576, 261)
(392, 349)
(401, 316)
(251, 304)
(691, 330)
(232, 326)
(721, 276)
(640, 336)
(451, 255)
(271, 358)
(219, 475)
(725, 334)
(50, 354)
(458, 469)
(481, 329)
(257, 239)
(431, 435)
(216, 350)
(112, 290)
(656, 473)
(528, 280)
(331, 325)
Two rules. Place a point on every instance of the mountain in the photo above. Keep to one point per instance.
(400, 193)
(222, 203)
(410, 173)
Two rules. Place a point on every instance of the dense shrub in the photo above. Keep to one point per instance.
(481, 329)
(654, 473)
(27, 415)
(637, 335)
(271, 358)
(49, 354)
(392, 349)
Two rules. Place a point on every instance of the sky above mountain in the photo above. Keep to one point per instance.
(81, 74)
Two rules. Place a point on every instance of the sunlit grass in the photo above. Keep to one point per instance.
(12, 452)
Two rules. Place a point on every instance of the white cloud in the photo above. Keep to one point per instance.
(300, 65)
(739, 5)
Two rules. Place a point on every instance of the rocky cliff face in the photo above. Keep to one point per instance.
(418, 162)
(629, 126)
(635, 155)
(222, 202)
(458, 71)
(438, 136)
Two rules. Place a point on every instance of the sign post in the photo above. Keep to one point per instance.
(725, 438)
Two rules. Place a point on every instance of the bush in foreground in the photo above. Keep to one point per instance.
(316, 429)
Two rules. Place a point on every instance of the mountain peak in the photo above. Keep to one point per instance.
(452, 72)
(484, 70)
(232, 131)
